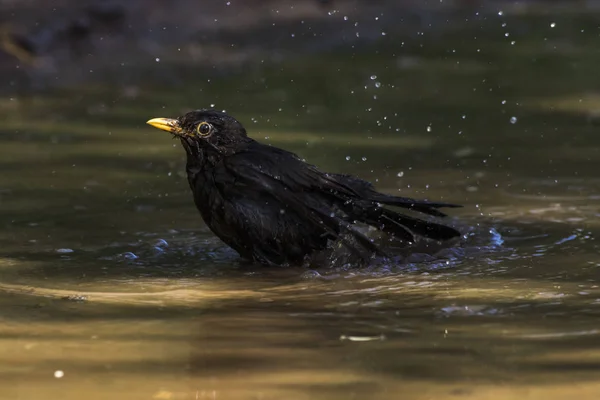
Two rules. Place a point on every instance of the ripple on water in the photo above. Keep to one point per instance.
(488, 275)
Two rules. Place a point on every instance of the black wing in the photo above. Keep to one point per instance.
(330, 202)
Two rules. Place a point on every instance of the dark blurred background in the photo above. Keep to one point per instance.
(59, 43)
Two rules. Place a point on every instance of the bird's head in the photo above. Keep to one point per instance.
(205, 130)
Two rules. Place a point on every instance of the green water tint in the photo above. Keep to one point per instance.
(110, 276)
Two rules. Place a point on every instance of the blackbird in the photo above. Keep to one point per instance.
(275, 209)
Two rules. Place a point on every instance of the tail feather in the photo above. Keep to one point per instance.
(360, 202)
(365, 190)
(421, 227)
(422, 206)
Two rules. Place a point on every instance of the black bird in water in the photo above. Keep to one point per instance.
(275, 209)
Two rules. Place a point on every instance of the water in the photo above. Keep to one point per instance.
(112, 286)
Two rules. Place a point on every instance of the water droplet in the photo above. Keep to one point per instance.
(347, 158)
(507, 34)
(364, 158)
(503, 101)
(157, 59)
(429, 128)
(553, 24)
(129, 256)
(500, 13)
(373, 77)
(58, 374)
(345, 18)
(212, 105)
(228, 3)
(64, 251)
(161, 243)
(512, 43)
(377, 84)
(464, 117)
(513, 120)
(310, 274)
(400, 174)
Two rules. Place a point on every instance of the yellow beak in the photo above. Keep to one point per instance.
(166, 124)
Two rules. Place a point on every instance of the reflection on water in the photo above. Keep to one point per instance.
(110, 278)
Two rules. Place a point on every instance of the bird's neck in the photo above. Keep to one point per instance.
(200, 160)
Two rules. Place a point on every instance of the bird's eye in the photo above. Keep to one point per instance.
(204, 129)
